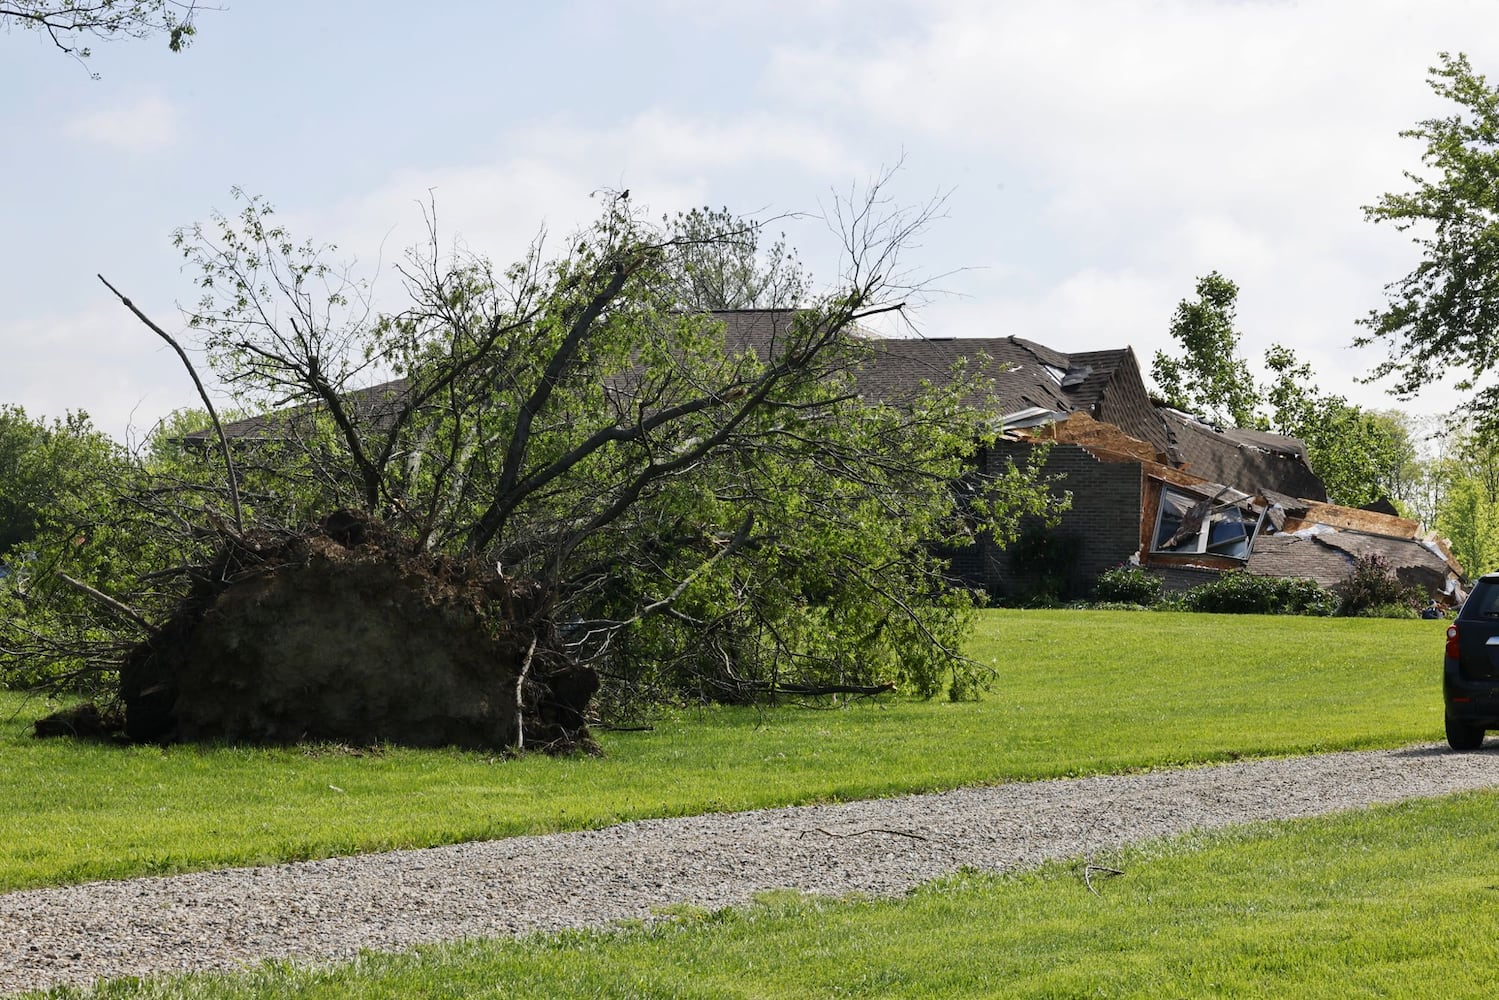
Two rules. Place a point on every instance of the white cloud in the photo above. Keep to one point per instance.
(146, 125)
(546, 178)
(1157, 140)
(99, 360)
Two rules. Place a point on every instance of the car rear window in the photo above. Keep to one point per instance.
(1483, 602)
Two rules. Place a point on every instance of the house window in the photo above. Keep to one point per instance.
(1223, 524)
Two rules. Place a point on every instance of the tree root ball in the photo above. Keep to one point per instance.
(347, 634)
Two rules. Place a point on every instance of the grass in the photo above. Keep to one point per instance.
(1398, 901)
(1076, 693)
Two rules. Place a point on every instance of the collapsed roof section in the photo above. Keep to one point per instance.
(1035, 385)
(1189, 520)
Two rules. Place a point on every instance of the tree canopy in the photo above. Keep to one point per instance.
(1209, 377)
(1360, 455)
(1443, 317)
(700, 507)
(45, 468)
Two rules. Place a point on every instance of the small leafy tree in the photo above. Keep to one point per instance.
(1209, 377)
(1358, 454)
(1374, 585)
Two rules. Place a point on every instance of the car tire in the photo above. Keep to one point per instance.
(1463, 735)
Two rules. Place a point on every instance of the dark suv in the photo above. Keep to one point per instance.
(1470, 675)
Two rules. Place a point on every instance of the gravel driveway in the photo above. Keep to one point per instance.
(331, 909)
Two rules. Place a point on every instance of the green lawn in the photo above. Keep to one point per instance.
(1077, 693)
(1399, 901)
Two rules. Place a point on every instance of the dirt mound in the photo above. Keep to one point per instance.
(347, 633)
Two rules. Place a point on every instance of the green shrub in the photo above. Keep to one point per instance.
(1238, 592)
(1128, 585)
(1388, 611)
(1373, 585)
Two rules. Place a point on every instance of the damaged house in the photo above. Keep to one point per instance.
(1155, 487)
(1150, 486)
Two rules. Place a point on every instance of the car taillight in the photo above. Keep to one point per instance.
(1452, 642)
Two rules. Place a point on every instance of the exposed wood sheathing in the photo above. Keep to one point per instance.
(1353, 519)
(1108, 443)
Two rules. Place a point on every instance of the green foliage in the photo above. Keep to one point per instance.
(1444, 316)
(704, 517)
(65, 22)
(1241, 593)
(1400, 610)
(1465, 483)
(1127, 585)
(1084, 692)
(1359, 455)
(1373, 584)
(1209, 378)
(46, 472)
(1363, 903)
(62, 533)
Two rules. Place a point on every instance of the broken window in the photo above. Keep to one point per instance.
(1219, 524)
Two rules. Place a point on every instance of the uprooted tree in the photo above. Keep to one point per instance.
(580, 488)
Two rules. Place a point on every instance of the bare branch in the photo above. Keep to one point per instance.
(239, 525)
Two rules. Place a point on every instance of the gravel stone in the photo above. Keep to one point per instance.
(331, 909)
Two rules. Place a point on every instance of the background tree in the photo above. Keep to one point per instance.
(68, 23)
(724, 266)
(44, 468)
(1467, 511)
(1209, 377)
(1359, 455)
(1444, 316)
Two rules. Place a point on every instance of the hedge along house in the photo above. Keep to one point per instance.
(1150, 486)
(1155, 487)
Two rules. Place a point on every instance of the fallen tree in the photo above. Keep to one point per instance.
(578, 477)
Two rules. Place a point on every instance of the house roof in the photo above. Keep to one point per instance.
(1027, 377)
(1253, 459)
(1327, 556)
(372, 404)
(1299, 557)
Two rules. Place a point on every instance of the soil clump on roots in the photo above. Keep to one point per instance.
(349, 633)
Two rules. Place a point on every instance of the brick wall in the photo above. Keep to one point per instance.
(1103, 525)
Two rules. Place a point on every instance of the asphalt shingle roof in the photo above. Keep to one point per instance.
(1107, 385)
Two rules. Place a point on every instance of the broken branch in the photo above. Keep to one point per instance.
(1088, 871)
(861, 833)
(118, 607)
(239, 521)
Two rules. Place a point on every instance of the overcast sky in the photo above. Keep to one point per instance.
(1097, 156)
